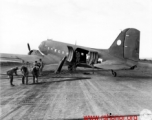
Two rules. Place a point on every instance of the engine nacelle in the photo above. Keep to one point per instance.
(35, 52)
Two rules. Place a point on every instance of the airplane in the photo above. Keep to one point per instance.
(123, 54)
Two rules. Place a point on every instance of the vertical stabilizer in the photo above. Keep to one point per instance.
(126, 44)
(131, 44)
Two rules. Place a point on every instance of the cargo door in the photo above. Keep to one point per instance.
(70, 54)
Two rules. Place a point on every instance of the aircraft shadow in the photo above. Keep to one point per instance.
(63, 80)
(137, 77)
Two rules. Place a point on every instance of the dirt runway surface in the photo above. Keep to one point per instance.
(68, 96)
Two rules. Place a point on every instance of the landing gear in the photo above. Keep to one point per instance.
(114, 73)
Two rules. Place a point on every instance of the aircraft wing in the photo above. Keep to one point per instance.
(18, 57)
(112, 65)
(50, 62)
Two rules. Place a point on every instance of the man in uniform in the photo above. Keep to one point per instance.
(10, 74)
(41, 66)
(24, 70)
(35, 73)
(36, 64)
(77, 57)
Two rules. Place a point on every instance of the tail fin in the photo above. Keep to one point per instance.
(127, 44)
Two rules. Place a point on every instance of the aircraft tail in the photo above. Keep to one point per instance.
(127, 44)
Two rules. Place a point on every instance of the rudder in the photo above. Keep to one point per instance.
(131, 45)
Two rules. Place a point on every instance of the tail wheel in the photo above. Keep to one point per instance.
(114, 73)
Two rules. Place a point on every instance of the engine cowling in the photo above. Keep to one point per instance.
(34, 52)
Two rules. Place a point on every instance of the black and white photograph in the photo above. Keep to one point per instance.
(75, 59)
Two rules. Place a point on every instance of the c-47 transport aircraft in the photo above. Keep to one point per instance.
(123, 54)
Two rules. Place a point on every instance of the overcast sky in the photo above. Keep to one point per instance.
(92, 23)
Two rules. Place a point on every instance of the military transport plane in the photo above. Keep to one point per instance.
(123, 54)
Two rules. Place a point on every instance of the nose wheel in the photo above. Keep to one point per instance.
(114, 73)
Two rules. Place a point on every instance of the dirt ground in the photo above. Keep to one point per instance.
(74, 95)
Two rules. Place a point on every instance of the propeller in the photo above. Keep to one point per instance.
(28, 45)
(30, 51)
(33, 52)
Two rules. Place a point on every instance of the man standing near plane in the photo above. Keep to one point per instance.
(77, 57)
(10, 74)
(36, 63)
(24, 70)
(35, 73)
(41, 66)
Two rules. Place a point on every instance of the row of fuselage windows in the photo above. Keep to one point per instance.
(57, 51)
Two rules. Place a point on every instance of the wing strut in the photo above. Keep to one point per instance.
(60, 65)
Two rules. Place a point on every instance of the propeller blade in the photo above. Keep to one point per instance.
(28, 45)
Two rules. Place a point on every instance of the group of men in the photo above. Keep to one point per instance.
(36, 71)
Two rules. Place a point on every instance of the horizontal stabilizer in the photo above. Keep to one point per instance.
(112, 65)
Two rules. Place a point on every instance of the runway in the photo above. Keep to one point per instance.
(72, 96)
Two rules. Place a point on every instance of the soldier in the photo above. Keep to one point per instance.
(77, 57)
(10, 74)
(35, 73)
(36, 64)
(41, 66)
(24, 70)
